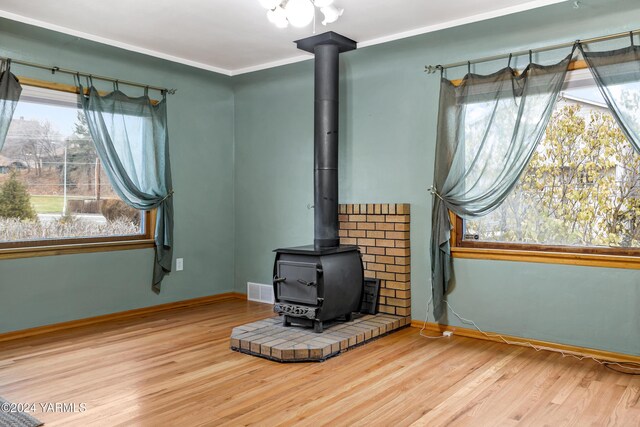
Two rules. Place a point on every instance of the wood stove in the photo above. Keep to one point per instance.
(315, 285)
(323, 281)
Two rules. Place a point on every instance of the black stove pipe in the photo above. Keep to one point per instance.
(325, 178)
(326, 48)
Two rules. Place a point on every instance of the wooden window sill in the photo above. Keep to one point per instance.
(548, 257)
(78, 248)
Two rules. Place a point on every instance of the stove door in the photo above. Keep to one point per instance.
(298, 282)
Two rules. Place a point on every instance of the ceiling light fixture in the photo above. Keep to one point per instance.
(331, 14)
(278, 17)
(299, 13)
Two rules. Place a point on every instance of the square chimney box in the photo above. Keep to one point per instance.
(344, 44)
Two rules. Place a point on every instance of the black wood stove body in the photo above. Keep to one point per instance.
(323, 281)
(316, 285)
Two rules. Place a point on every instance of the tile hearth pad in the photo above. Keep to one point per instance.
(268, 338)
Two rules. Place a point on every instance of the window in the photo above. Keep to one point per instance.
(53, 190)
(579, 194)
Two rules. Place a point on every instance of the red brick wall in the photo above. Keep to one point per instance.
(382, 233)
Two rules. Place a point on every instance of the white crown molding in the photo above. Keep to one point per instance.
(111, 42)
(267, 65)
(534, 4)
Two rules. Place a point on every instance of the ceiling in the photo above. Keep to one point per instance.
(233, 36)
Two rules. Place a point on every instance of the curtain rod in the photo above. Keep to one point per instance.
(430, 69)
(55, 69)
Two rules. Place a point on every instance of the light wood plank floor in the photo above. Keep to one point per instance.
(175, 368)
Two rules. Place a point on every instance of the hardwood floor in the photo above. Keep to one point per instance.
(174, 368)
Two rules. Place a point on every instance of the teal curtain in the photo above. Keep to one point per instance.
(617, 74)
(131, 138)
(488, 129)
(10, 90)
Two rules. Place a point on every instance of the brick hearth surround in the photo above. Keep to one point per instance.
(382, 232)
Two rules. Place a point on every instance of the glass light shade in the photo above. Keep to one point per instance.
(282, 24)
(322, 3)
(269, 4)
(331, 14)
(300, 12)
(278, 17)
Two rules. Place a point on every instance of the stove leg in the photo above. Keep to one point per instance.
(285, 321)
(348, 317)
(317, 327)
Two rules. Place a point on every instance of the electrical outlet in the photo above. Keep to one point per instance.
(179, 264)
(447, 333)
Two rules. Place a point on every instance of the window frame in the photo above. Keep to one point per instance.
(49, 247)
(549, 254)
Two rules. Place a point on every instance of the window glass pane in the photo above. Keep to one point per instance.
(52, 185)
(582, 186)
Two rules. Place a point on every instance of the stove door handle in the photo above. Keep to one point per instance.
(277, 279)
(304, 282)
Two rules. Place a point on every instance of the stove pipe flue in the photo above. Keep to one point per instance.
(326, 47)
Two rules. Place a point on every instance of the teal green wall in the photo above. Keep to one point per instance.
(37, 291)
(388, 118)
(229, 219)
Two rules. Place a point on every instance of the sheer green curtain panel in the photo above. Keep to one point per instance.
(131, 138)
(10, 90)
(617, 74)
(488, 129)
